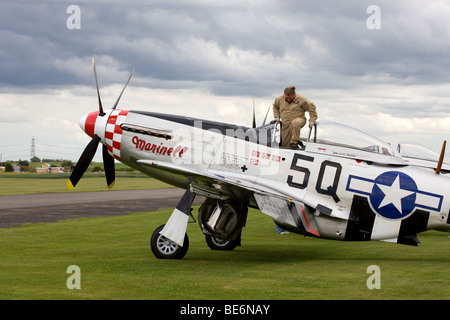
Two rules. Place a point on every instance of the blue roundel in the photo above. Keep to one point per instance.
(394, 195)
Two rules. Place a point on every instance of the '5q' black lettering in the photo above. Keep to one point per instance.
(330, 190)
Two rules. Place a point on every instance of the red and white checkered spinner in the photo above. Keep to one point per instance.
(107, 128)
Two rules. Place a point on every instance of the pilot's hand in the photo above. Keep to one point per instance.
(275, 120)
(311, 124)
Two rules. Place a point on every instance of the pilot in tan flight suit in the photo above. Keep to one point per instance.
(291, 108)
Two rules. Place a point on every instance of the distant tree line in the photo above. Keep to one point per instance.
(25, 164)
(64, 163)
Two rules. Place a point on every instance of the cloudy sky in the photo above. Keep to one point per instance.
(384, 71)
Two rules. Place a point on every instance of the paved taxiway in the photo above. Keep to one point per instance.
(20, 209)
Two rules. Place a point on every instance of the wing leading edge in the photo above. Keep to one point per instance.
(285, 211)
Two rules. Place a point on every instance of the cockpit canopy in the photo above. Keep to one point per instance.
(418, 155)
(340, 140)
(337, 139)
(417, 151)
(337, 134)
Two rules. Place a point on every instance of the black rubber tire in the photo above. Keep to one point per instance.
(164, 248)
(219, 244)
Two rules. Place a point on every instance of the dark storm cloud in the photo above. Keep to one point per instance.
(213, 56)
(231, 46)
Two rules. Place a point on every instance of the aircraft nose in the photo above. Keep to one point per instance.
(87, 123)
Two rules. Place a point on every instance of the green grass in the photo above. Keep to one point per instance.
(22, 183)
(116, 263)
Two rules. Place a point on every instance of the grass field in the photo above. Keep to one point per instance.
(23, 183)
(116, 262)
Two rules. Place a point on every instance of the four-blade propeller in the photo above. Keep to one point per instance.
(91, 148)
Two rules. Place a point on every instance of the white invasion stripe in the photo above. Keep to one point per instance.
(384, 229)
(360, 186)
(429, 201)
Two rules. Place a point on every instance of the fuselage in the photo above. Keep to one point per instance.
(340, 193)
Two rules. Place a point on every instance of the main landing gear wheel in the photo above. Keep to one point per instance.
(164, 248)
(220, 244)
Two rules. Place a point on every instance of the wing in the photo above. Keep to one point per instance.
(206, 183)
(271, 199)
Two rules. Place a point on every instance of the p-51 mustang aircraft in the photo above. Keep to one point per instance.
(341, 183)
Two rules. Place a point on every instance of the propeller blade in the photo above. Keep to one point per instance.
(254, 120)
(83, 162)
(108, 163)
(117, 102)
(267, 113)
(100, 107)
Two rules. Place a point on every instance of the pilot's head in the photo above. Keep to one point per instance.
(289, 94)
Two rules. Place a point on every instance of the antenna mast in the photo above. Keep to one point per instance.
(33, 149)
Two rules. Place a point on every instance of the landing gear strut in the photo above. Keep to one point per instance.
(220, 220)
